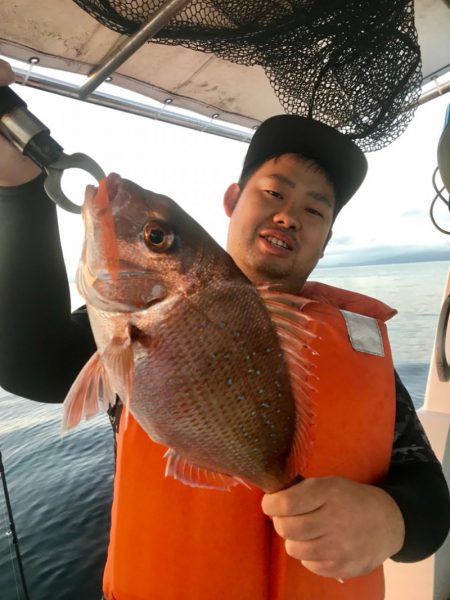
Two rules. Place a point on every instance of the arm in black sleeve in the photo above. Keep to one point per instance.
(417, 484)
(42, 346)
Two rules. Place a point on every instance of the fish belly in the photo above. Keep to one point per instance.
(213, 386)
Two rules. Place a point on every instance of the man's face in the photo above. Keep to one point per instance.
(280, 222)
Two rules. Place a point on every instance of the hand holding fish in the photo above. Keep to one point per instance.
(15, 168)
(336, 527)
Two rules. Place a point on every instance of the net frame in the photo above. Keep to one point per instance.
(352, 64)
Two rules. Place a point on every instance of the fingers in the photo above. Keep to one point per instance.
(336, 527)
(335, 570)
(15, 168)
(323, 568)
(324, 557)
(308, 527)
(301, 498)
(6, 73)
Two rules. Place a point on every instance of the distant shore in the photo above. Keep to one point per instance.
(385, 256)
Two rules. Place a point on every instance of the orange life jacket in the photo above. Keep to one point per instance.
(170, 541)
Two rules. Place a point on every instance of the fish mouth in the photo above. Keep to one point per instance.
(126, 270)
(104, 291)
(106, 276)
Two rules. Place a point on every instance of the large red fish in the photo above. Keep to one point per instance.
(209, 366)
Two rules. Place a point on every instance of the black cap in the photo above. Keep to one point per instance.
(341, 159)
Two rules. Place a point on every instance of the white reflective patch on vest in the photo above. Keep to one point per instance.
(364, 333)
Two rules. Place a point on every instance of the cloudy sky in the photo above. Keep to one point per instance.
(387, 221)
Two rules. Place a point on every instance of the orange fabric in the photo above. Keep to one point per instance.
(172, 542)
(346, 300)
(354, 428)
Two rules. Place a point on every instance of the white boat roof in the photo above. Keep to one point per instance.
(65, 37)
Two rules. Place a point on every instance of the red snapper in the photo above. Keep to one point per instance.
(209, 366)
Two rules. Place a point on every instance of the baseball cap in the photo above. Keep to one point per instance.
(341, 159)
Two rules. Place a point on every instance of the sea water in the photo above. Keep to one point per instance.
(61, 489)
(415, 291)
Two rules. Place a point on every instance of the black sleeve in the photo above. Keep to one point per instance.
(42, 346)
(417, 484)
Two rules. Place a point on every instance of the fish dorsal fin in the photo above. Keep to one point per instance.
(183, 470)
(294, 337)
(90, 393)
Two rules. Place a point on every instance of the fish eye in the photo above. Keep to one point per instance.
(158, 236)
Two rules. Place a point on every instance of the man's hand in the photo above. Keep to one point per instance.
(15, 168)
(336, 527)
(6, 73)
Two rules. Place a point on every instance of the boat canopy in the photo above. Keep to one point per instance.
(60, 34)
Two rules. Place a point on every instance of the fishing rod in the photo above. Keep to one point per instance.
(12, 529)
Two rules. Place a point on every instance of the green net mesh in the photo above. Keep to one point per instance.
(353, 64)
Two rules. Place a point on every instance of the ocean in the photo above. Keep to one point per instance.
(60, 489)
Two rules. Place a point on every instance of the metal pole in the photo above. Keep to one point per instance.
(69, 90)
(158, 20)
(440, 90)
(12, 528)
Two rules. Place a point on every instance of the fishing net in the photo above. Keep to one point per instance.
(353, 64)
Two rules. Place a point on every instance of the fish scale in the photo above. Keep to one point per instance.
(207, 393)
(207, 367)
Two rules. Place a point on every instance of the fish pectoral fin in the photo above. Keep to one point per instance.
(118, 355)
(89, 393)
(191, 474)
(291, 325)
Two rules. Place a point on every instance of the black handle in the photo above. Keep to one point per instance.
(442, 366)
(25, 130)
(43, 149)
(9, 100)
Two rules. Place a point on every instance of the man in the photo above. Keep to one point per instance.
(362, 500)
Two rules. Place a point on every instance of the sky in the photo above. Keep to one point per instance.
(386, 221)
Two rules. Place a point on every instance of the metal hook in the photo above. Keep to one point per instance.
(33, 139)
(55, 171)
